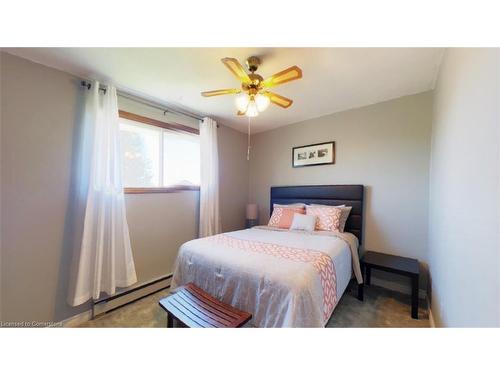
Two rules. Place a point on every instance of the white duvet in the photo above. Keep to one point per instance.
(283, 278)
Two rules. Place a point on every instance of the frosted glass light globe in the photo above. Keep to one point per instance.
(242, 101)
(262, 102)
(252, 109)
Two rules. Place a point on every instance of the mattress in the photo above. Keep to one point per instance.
(283, 278)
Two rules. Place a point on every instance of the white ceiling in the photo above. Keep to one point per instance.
(334, 79)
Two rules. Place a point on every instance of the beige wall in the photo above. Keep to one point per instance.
(384, 146)
(39, 136)
(464, 247)
(233, 175)
(159, 224)
(39, 106)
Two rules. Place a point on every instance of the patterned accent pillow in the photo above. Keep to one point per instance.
(346, 210)
(328, 217)
(282, 216)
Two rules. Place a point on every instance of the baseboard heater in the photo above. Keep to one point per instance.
(123, 298)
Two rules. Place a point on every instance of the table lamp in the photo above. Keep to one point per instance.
(252, 215)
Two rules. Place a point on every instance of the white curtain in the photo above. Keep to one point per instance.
(105, 259)
(209, 181)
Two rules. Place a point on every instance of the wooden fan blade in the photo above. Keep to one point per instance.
(287, 75)
(239, 113)
(278, 99)
(220, 92)
(235, 67)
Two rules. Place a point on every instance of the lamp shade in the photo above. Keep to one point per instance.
(242, 102)
(262, 102)
(252, 110)
(252, 211)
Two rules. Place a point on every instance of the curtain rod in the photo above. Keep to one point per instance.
(147, 102)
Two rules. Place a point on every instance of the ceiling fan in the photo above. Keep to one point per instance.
(254, 96)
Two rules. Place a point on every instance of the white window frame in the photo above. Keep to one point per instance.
(164, 127)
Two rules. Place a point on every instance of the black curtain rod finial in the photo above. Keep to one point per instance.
(88, 85)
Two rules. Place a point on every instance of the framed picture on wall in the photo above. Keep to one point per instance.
(316, 154)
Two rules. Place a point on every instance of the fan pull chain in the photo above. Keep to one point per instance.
(248, 149)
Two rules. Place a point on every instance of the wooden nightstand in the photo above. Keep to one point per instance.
(395, 264)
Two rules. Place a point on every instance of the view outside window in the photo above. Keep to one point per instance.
(181, 159)
(155, 157)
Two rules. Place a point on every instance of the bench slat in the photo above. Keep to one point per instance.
(209, 310)
(194, 314)
(171, 309)
(207, 297)
(196, 308)
(207, 315)
(240, 317)
(220, 306)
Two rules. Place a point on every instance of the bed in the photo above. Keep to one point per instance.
(285, 278)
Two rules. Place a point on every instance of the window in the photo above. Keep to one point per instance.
(158, 157)
(140, 154)
(181, 159)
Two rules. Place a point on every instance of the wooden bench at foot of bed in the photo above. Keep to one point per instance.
(195, 308)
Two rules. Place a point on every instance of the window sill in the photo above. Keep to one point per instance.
(168, 189)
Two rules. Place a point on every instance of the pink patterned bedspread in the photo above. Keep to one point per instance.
(284, 278)
(321, 262)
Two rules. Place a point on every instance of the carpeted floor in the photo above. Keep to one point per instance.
(380, 308)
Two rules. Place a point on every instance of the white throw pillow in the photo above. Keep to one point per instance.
(303, 222)
(346, 210)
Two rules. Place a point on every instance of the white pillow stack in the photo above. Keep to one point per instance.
(303, 222)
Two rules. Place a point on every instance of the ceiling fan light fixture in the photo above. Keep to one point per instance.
(242, 101)
(253, 97)
(252, 110)
(262, 102)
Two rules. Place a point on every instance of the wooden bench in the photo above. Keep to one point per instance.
(195, 308)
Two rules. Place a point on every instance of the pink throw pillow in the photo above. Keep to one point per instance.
(282, 217)
(328, 217)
